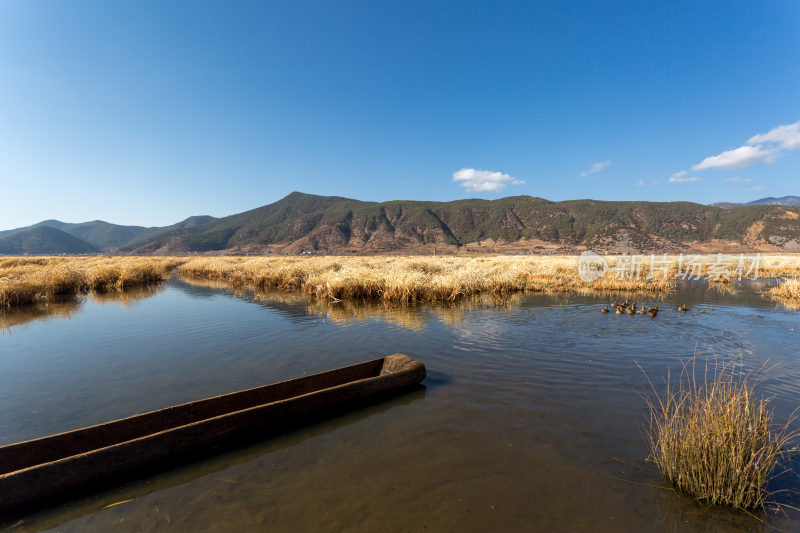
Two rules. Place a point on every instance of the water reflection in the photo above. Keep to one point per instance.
(127, 298)
(787, 304)
(531, 418)
(412, 316)
(406, 315)
(67, 306)
(64, 308)
(415, 316)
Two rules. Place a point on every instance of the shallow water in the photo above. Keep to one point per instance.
(529, 418)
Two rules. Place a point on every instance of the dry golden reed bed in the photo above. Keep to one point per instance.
(37, 280)
(440, 278)
(26, 280)
(406, 279)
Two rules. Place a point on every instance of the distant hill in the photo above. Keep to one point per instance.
(43, 240)
(789, 201)
(191, 222)
(304, 222)
(784, 200)
(107, 236)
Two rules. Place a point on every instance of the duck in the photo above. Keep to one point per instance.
(631, 310)
(682, 308)
(619, 310)
(653, 311)
(641, 311)
(604, 310)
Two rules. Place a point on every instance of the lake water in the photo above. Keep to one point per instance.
(530, 418)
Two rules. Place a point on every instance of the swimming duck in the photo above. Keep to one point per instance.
(653, 311)
(604, 310)
(619, 310)
(641, 311)
(631, 310)
(682, 308)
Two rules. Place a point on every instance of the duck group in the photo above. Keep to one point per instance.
(630, 308)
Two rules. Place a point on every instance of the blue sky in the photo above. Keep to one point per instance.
(148, 112)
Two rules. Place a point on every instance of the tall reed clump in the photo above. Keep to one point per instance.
(788, 291)
(713, 439)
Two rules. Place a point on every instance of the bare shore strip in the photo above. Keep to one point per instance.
(26, 280)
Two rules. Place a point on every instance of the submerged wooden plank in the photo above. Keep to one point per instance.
(74, 460)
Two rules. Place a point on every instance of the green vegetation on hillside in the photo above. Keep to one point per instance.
(322, 222)
(43, 240)
(104, 235)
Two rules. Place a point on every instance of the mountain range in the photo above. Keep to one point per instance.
(56, 237)
(790, 201)
(305, 223)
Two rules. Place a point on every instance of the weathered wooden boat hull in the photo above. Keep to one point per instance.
(76, 460)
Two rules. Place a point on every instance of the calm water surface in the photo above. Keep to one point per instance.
(529, 418)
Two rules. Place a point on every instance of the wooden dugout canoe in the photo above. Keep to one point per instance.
(78, 460)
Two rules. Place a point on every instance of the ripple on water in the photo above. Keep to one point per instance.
(530, 418)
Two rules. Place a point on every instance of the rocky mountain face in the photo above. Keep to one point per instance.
(308, 223)
(305, 223)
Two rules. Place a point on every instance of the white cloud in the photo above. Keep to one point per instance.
(641, 183)
(737, 179)
(682, 177)
(597, 167)
(744, 156)
(761, 148)
(755, 188)
(484, 180)
(678, 175)
(787, 137)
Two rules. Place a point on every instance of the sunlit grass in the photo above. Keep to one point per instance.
(407, 279)
(25, 281)
(787, 292)
(714, 439)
